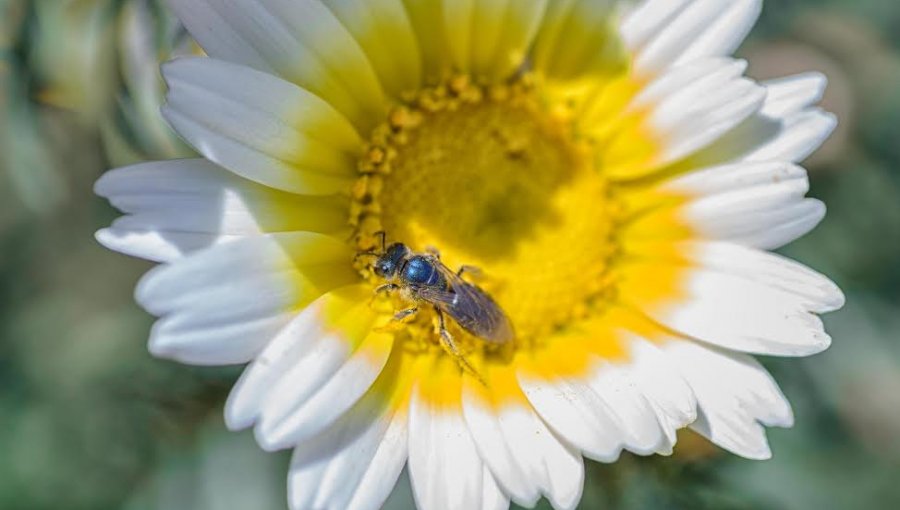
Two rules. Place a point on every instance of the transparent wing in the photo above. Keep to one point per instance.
(470, 307)
(440, 298)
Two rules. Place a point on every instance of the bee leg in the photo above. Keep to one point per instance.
(382, 288)
(450, 346)
(473, 270)
(394, 323)
(431, 250)
(365, 254)
(402, 314)
(386, 287)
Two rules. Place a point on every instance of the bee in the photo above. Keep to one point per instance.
(424, 279)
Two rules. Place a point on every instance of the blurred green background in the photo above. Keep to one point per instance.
(88, 420)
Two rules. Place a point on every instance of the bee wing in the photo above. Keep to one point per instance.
(440, 298)
(472, 308)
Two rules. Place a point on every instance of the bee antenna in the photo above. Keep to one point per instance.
(365, 254)
(383, 235)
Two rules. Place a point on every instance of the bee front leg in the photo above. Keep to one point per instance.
(362, 254)
(381, 289)
(386, 287)
(450, 346)
(402, 314)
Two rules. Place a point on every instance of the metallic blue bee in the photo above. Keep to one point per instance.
(423, 278)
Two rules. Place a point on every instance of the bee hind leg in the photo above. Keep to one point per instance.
(475, 271)
(452, 349)
(431, 250)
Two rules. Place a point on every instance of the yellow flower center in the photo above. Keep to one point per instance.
(495, 179)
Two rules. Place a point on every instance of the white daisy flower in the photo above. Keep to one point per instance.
(608, 169)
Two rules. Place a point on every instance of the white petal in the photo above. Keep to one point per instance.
(486, 428)
(788, 224)
(577, 41)
(734, 393)
(525, 457)
(764, 227)
(629, 409)
(800, 135)
(225, 341)
(704, 110)
(383, 31)
(427, 22)
(663, 386)
(170, 287)
(224, 303)
(353, 464)
(283, 425)
(647, 19)
(769, 138)
(296, 340)
(563, 472)
(155, 245)
(260, 127)
(179, 206)
(493, 498)
(444, 466)
(688, 109)
(574, 412)
(705, 74)
(736, 177)
(385, 468)
(744, 315)
(761, 197)
(768, 269)
(300, 41)
(793, 94)
(313, 371)
(703, 28)
(759, 204)
(490, 38)
(723, 35)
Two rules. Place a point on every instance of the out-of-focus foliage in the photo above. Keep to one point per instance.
(88, 420)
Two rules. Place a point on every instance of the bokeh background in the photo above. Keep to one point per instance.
(88, 420)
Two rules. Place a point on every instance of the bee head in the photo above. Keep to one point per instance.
(389, 262)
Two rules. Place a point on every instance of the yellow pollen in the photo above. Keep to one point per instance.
(491, 177)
